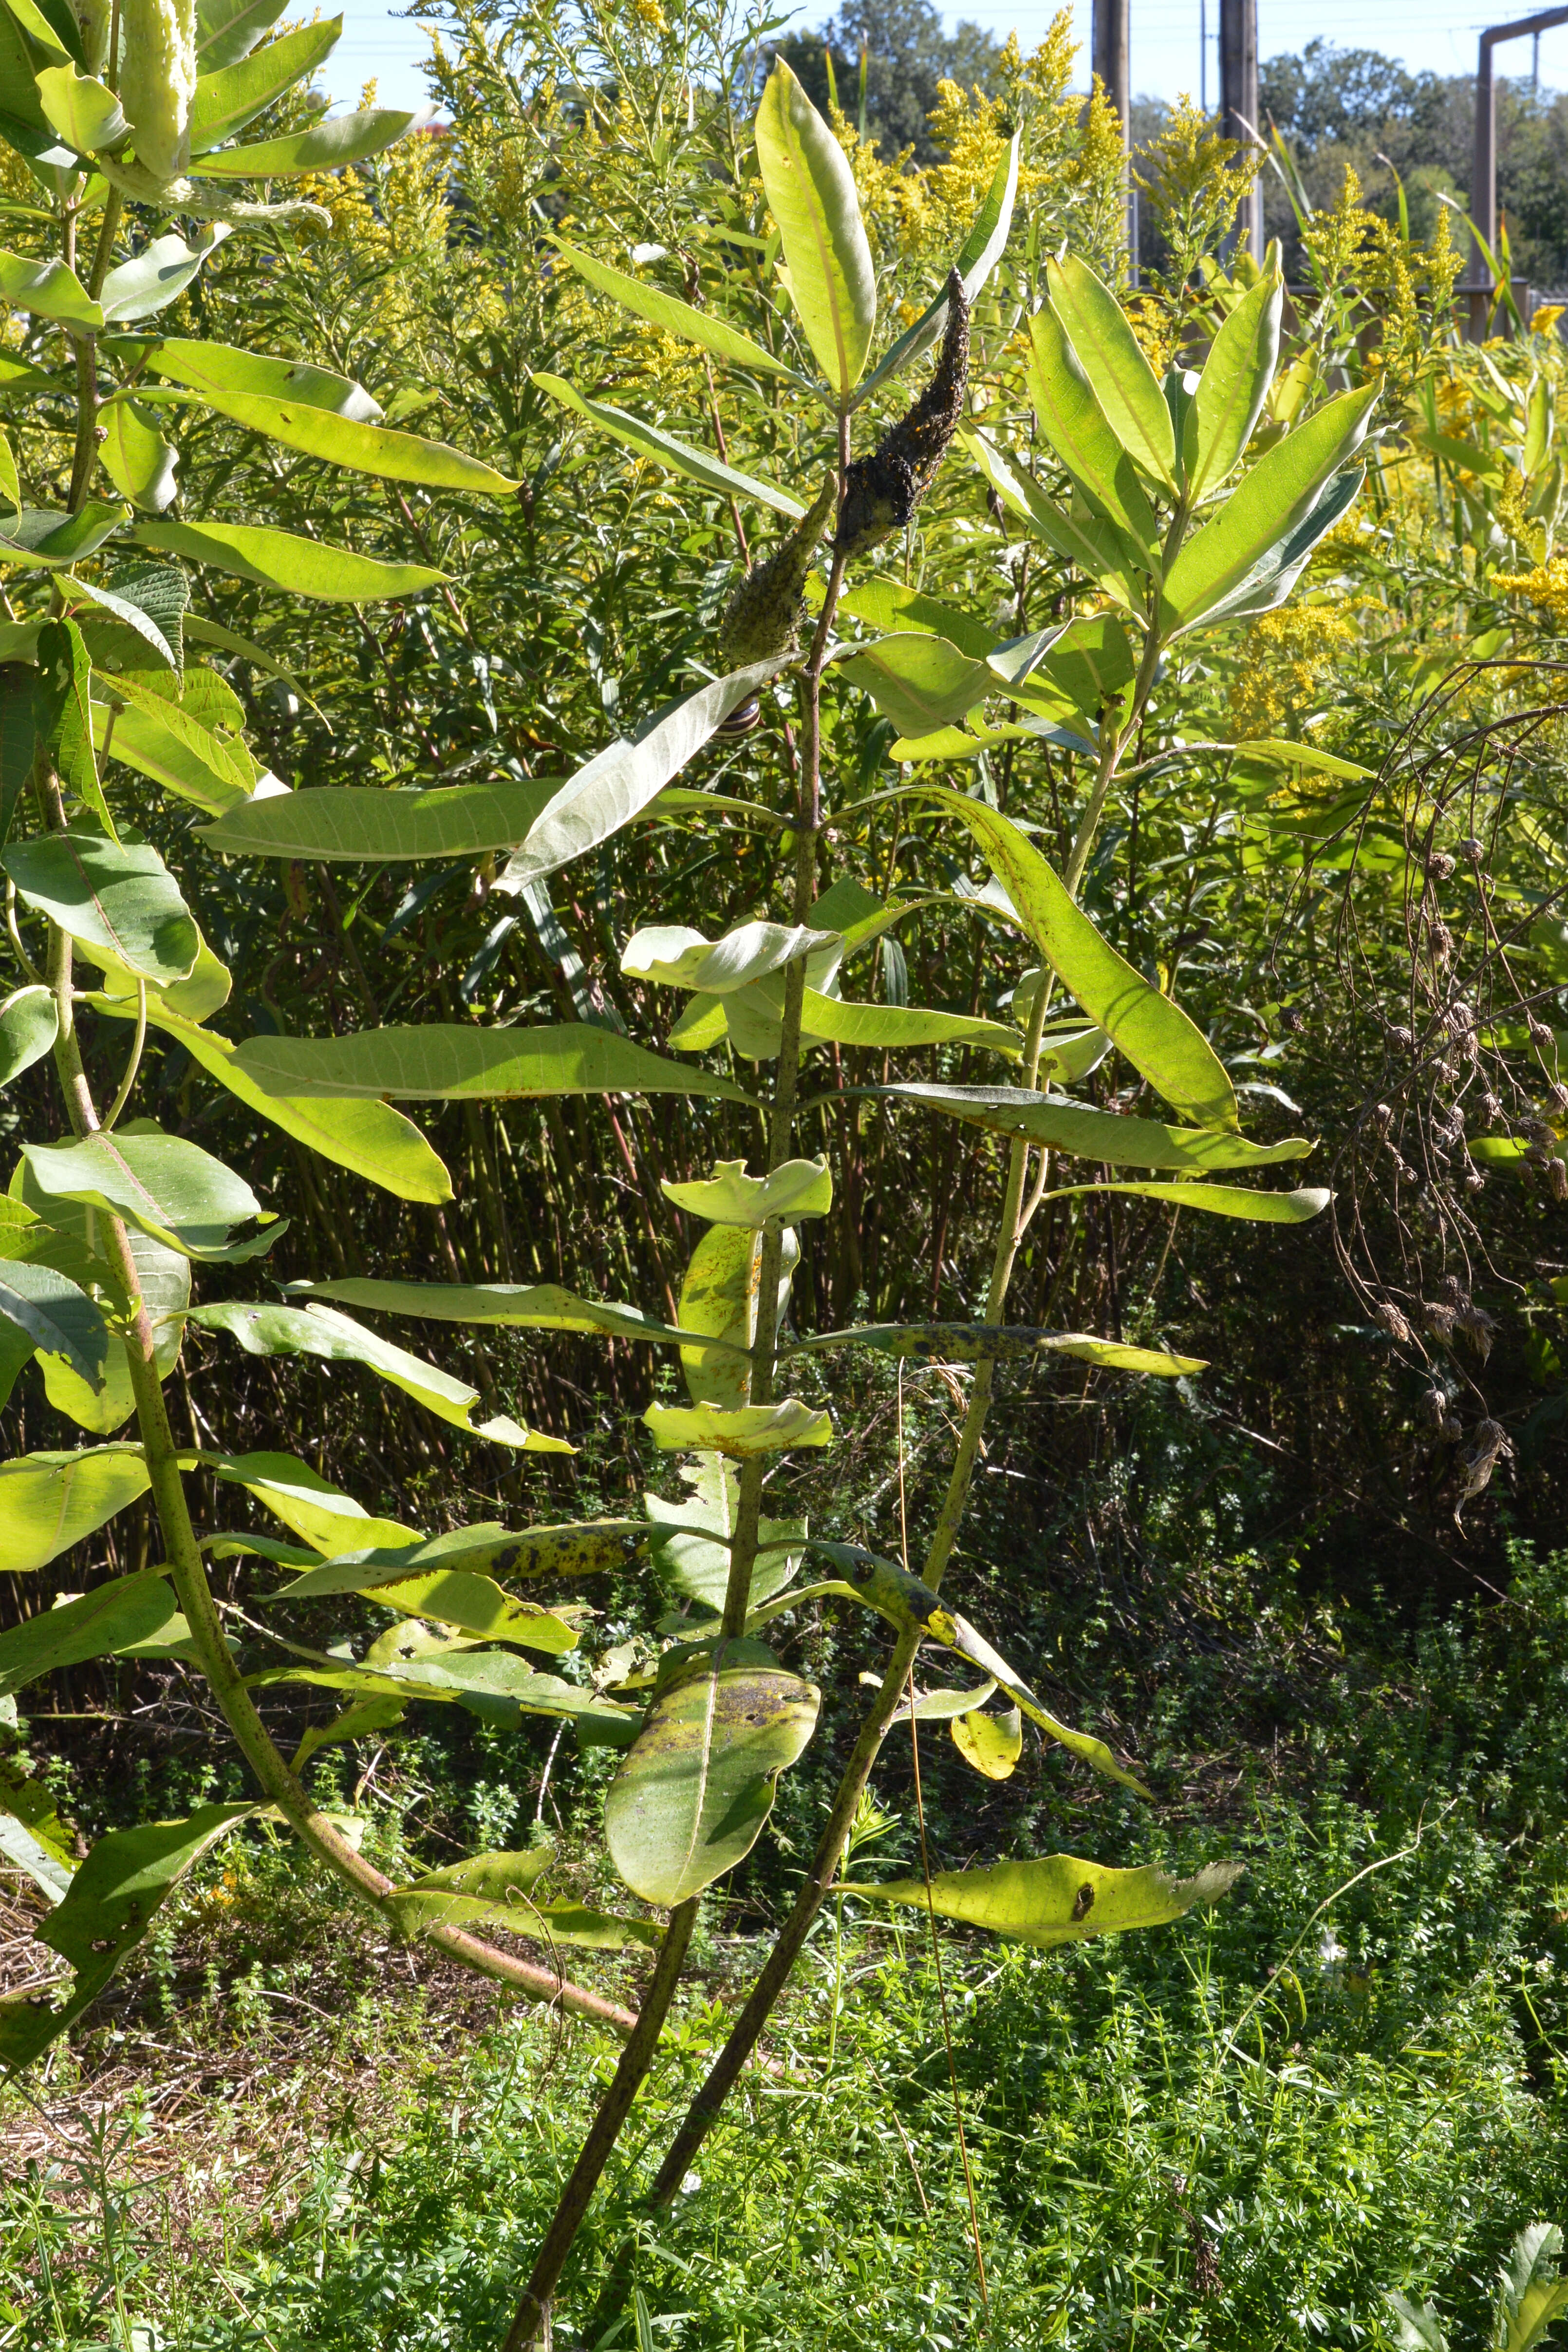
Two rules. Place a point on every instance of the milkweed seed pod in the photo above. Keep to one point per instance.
(764, 616)
(158, 81)
(92, 23)
(1438, 1317)
(882, 491)
(1557, 1177)
(1392, 1322)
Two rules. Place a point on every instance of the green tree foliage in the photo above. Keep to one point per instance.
(903, 52)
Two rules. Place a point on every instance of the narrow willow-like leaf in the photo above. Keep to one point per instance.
(674, 317)
(206, 367)
(375, 449)
(443, 1060)
(1057, 1900)
(981, 1343)
(233, 95)
(1107, 556)
(663, 449)
(538, 1306)
(1102, 1135)
(1253, 1207)
(1154, 1033)
(812, 195)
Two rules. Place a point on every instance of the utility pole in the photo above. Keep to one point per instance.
(1110, 50)
(1480, 288)
(1239, 110)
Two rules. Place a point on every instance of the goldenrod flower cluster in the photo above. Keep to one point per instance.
(1285, 655)
(1546, 587)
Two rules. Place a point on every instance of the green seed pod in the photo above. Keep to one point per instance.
(92, 23)
(763, 617)
(158, 81)
(883, 489)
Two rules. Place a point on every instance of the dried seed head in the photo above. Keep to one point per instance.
(1454, 1290)
(1487, 1447)
(1440, 940)
(1452, 1428)
(1477, 1327)
(1382, 1119)
(1392, 1322)
(1474, 1180)
(762, 619)
(1472, 852)
(882, 491)
(1541, 1035)
(1405, 1039)
(1440, 865)
(1491, 1109)
(1291, 1019)
(1439, 1318)
(1557, 1177)
(1434, 1406)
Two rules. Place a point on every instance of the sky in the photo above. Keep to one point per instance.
(1435, 35)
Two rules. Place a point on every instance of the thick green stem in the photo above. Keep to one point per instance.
(532, 2322)
(774, 1974)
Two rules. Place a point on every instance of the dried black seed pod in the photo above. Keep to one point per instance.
(762, 619)
(882, 491)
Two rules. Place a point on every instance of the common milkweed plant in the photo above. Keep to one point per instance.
(117, 1234)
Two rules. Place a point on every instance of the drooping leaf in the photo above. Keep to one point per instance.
(992, 1743)
(56, 1315)
(1156, 1036)
(337, 440)
(320, 1514)
(350, 822)
(675, 956)
(444, 1060)
(1076, 426)
(1109, 355)
(474, 1604)
(663, 449)
(488, 1887)
(231, 96)
(158, 274)
(159, 740)
(621, 782)
(362, 1722)
(206, 368)
(1069, 1126)
(1272, 579)
(491, 1684)
(193, 1000)
(1278, 493)
(750, 1429)
(99, 1624)
(1253, 1207)
(1058, 1899)
(72, 1239)
(112, 1901)
(1234, 384)
(42, 538)
(341, 139)
(173, 1190)
(801, 1188)
(588, 1549)
(812, 194)
(29, 1025)
(672, 317)
(367, 1137)
(50, 1501)
(698, 1782)
(977, 1343)
(697, 1565)
(540, 1307)
(280, 558)
(121, 899)
(321, 1331)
